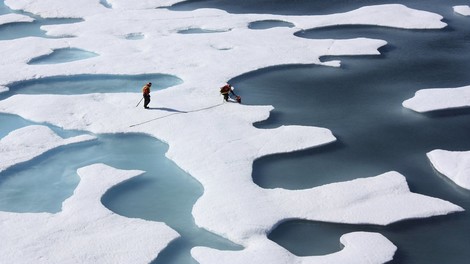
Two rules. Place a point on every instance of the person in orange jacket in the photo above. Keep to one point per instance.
(226, 90)
(146, 94)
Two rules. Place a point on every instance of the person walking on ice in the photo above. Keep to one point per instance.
(226, 90)
(146, 94)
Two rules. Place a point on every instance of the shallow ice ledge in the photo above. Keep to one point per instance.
(439, 99)
(84, 231)
(462, 9)
(358, 247)
(29, 142)
(453, 164)
(13, 18)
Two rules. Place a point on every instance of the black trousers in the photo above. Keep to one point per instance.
(146, 100)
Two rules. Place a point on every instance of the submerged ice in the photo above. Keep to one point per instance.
(215, 143)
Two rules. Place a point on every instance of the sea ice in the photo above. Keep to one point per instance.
(359, 247)
(14, 18)
(215, 142)
(462, 9)
(29, 142)
(57, 9)
(438, 99)
(222, 160)
(165, 51)
(453, 164)
(359, 201)
(84, 231)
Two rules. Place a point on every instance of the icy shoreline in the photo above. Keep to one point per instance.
(215, 143)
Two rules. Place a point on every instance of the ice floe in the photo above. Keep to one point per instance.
(453, 164)
(29, 142)
(215, 142)
(438, 99)
(359, 247)
(462, 10)
(360, 201)
(84, 231)
(14, 18)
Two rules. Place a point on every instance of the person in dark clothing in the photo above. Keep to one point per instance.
(146, 94)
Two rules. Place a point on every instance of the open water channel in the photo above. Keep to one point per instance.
(361, 103)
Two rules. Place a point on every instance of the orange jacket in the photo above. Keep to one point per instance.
(225, 89)
(146, 90)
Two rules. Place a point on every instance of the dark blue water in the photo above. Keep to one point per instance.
(361, 103)
(282, 7)
(199, 31)
(267, 24)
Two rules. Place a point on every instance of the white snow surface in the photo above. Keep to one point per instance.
(439, 99)
(359, 247)
(84, 231)
(13, 18)
(216, 143)
(29, 142)
(463, 10)
(453, 164)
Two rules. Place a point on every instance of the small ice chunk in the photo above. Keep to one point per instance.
(463, 10)
(439, 99)
(453, 164)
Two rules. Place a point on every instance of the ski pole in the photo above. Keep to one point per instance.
(139, 102)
